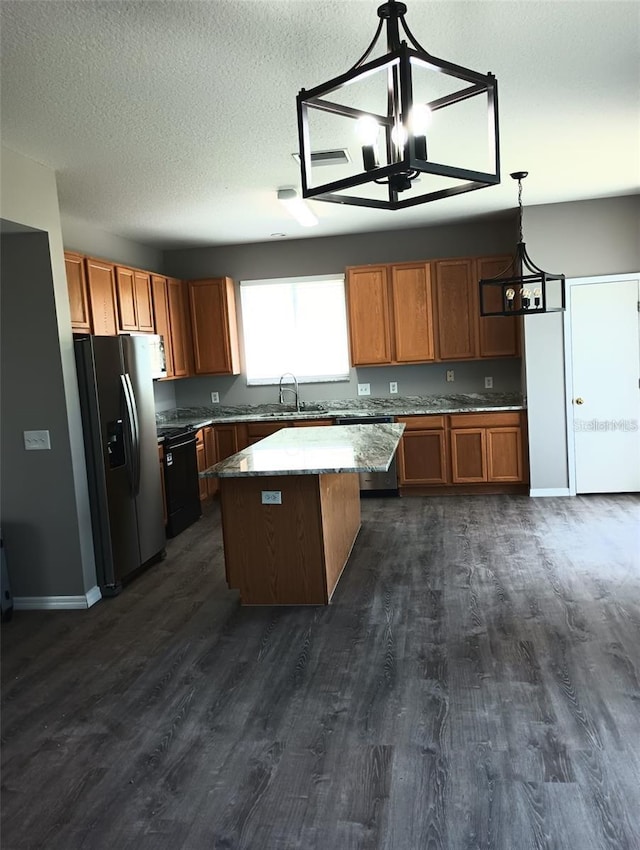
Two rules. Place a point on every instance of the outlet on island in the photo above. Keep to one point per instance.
(271, 497)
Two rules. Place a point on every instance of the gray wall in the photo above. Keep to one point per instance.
(45, 508)
(332, 254)
(86, 239)
(578, 239)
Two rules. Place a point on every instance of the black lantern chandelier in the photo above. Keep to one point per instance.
(413, 113)
(521, 289)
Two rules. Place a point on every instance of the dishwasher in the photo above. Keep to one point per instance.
(374, 483)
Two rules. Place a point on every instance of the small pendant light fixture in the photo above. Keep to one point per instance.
(415, 115)
(521, 289)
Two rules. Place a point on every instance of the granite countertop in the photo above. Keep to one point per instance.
(314, 451)
(198, 417)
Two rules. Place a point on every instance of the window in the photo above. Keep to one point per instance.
(295, 325)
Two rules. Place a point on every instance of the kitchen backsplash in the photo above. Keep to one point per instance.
(420, 380)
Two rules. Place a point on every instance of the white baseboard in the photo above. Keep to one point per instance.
(549, 491)
(57, 603)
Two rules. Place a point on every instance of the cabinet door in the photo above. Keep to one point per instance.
(368, 314)
(456, 309)
(213, 322)
(504, 454)
(210, 458)
(126, 289)
(161, 318)
(256, 431)
(144, 310)
(178, 323)
(202, 465)
(226, 441)
(412, 312)
(77, 289)
(499, 336)
(102, 297)
(422, 458)
(468, 455)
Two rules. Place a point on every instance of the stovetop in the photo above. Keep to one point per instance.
(168, 432)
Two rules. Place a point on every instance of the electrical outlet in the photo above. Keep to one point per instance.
(36, 441)
(393, 387)
(364, 389)
(488, 383)
(272, 497)
(215, 398)
(450, 376)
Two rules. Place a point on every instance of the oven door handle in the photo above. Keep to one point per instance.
(171, 447)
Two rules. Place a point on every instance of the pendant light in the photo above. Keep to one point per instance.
(408, 115)
(521, 289)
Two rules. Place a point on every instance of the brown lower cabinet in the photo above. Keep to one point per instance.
(202, 463)
(214, 443)
(486, 448)
(422, 453)
(460, 450)
(249, 433)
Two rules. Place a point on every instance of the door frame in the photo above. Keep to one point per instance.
(568, 365)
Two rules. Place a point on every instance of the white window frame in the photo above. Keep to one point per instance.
(341, 328)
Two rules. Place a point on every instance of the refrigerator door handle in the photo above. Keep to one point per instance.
(131, 442)
(136, 435)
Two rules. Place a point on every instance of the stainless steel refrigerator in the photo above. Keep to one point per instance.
(115, 378)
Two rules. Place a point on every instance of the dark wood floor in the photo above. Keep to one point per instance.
(474, 684)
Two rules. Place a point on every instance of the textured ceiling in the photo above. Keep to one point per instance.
(173, 123)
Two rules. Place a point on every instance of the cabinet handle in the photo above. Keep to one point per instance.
(579, 400)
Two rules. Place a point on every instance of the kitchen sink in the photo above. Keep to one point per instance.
(310, 407)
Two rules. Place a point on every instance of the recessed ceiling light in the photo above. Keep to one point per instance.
(297, 207)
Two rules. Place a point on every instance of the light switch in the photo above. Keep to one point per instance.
(36, 440)
(364, 389)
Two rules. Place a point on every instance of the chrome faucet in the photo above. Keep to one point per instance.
(283, 390)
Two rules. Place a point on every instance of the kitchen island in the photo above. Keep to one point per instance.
(290, 509)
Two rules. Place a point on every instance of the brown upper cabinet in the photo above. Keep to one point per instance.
(390, 315)
(499, 336)
(462, 334)
(456, 309)
(212, 306)
(101, 284)
(133, 288)
(169, 318)
(78, 293)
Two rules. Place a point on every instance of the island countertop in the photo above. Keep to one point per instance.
(314, 451)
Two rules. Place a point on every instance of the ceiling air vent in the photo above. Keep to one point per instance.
(334, 157)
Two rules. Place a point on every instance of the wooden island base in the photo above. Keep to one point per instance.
(291, 553)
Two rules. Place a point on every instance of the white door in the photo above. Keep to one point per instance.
(605, 352)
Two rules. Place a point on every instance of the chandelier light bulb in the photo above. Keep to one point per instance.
(419, 119)
(367, 129)
(399, 135)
